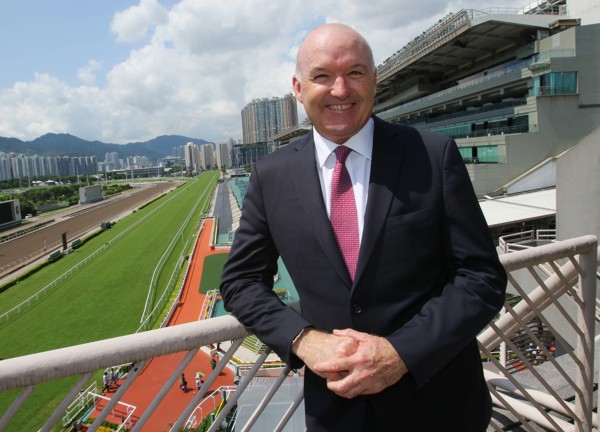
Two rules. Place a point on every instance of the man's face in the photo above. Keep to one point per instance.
(336, 83)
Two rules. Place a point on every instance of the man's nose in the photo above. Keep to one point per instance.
(339, 88)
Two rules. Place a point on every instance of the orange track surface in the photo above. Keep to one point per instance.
(158, 370)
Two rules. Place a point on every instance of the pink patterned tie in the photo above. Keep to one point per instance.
(344, 219)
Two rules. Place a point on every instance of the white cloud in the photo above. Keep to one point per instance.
(45, 105)
(135, 22)
(87, 74)
(202, 62)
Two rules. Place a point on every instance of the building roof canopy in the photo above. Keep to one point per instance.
(463, 45)
(512, 209)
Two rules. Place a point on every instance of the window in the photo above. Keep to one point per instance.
(555, 83)
(479, 154)
(487, 154)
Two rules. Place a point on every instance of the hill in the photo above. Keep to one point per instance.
(68, 145)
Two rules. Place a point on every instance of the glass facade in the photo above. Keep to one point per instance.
(487, 154)
(486, 126)
(479, 154)
(554, 83)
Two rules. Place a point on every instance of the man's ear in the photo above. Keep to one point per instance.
(375, 81)
(297, 86)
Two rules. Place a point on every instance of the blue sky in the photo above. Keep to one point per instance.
(56, 38)
(123, 71)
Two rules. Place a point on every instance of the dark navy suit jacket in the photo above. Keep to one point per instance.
(428, 277)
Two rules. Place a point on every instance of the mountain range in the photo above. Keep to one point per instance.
(52, 144)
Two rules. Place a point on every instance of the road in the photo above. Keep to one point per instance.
(223, 210)
(20, 251)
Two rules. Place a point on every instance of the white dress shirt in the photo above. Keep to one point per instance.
(358, 165)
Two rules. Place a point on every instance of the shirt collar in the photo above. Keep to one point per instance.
(361, 142)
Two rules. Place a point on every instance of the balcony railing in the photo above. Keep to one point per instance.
(526, 240)
(554, 380)
(520, 364)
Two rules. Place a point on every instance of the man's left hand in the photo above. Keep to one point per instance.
(374, 366)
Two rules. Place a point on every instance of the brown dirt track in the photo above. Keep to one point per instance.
(20, 251)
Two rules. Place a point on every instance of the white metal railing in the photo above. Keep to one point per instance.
(208, 305)
(563, 303)
(127, 415)
(82, 401)
(57, 244)
(24, 231)
(546, 56)
(209, 405)
(514, 69)
(154, 307)
(526, 396)
(449, 26)
(525, 239)
(25, 304)
(175, 303)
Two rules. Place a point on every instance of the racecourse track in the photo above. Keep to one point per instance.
(78, 220)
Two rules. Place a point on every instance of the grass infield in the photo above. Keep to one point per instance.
(211, 272)
(106, 297)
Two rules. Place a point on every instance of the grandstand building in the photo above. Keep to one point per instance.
(515, 89)
(247, 155)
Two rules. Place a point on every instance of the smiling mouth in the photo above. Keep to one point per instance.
(339, 107)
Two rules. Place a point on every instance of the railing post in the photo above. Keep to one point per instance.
(503, 344)
(585, 343)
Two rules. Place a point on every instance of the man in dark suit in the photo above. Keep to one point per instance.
(393, 300)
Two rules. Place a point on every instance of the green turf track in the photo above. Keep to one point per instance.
(211, 273)
(105, 299)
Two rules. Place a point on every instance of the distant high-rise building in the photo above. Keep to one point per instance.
(133, 162)
(264, 118)
(224, 153)
(207, 156)
(178, 152)
(13, 165)
(5, 171)
(192, 157)
(112, 158)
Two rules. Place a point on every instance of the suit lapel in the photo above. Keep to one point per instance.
(385, 173)
(308, 189)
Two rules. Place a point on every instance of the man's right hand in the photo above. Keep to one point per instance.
(314, 346)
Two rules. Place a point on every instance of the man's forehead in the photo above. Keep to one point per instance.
(327, 57)
(324, 67)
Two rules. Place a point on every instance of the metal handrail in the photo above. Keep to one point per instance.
(518, 241)
(575, 279)
(33, 369)
(564, 303)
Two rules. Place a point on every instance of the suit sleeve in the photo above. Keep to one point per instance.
(247, 279)
(474, 286)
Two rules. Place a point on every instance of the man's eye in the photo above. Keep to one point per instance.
(356, 74)
(320, 78)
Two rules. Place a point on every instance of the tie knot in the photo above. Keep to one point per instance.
(341, 153)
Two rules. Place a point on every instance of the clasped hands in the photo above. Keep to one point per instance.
(352, 362)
